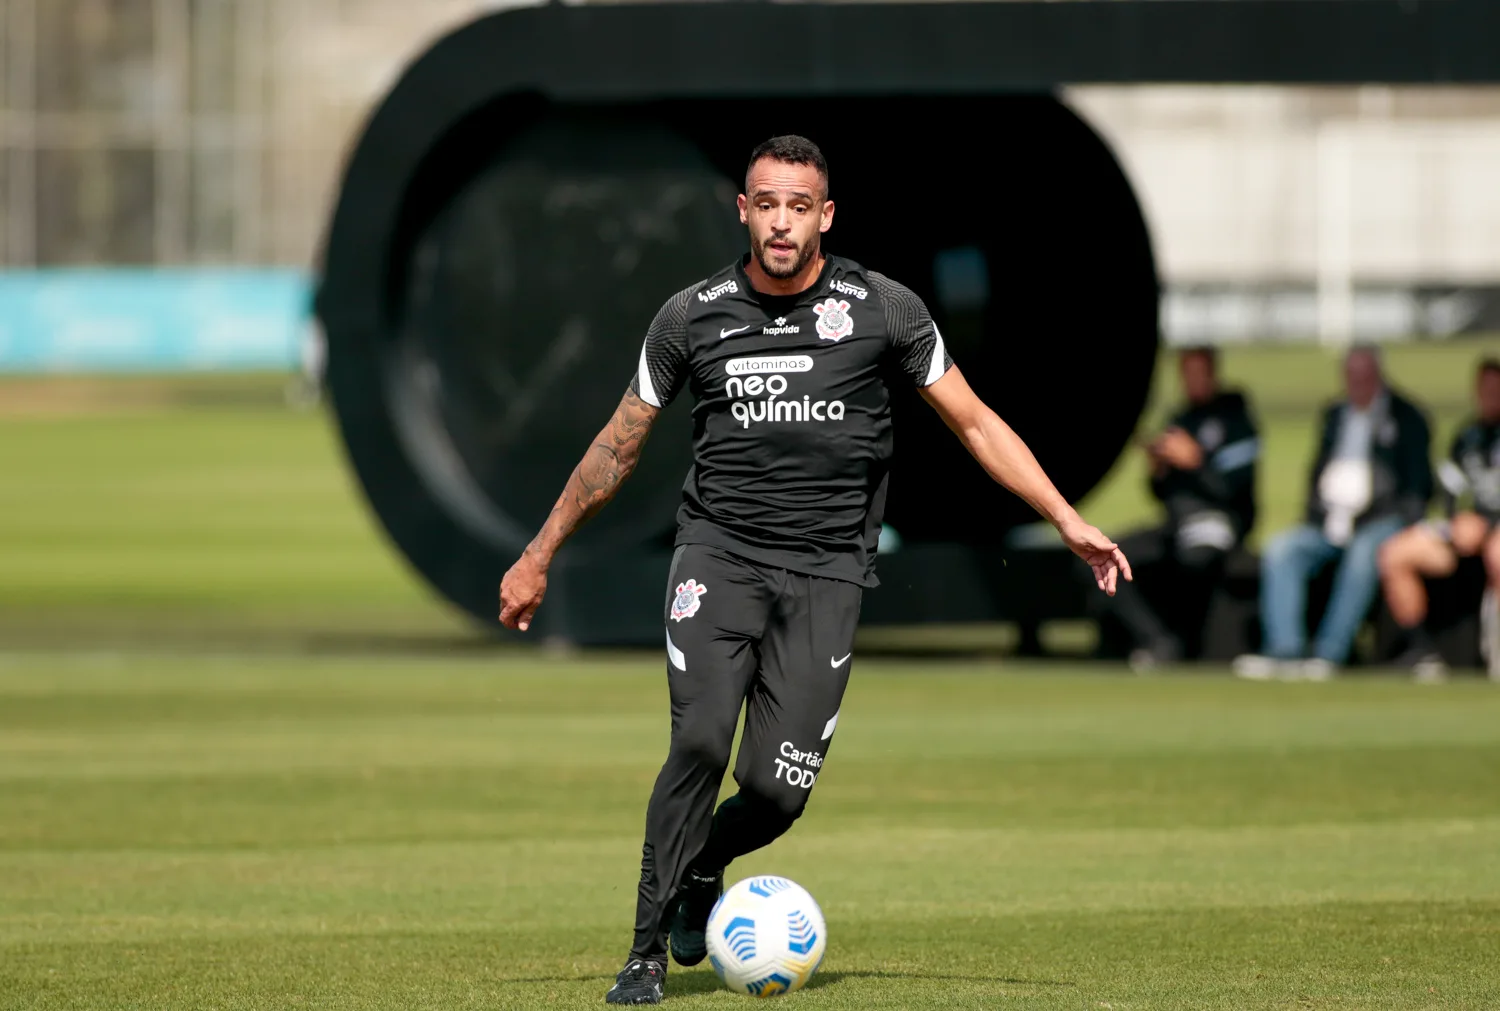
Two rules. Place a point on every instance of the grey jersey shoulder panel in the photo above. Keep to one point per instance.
(915, 340)
(663, 366)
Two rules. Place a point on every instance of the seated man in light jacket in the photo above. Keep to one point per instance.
(1372, 476)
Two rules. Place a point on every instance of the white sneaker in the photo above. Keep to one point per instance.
(1430, 672)
(1317, 669)
(1254, 667)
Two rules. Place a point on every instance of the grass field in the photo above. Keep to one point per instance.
(234, 833)
(247, 762)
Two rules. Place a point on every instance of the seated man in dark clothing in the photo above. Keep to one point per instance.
(1472, 472)
(1203, 471)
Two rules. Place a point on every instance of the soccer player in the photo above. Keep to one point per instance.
(787, 352)
(1433, 549)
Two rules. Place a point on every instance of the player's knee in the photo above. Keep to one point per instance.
(779, 786)
(779, 799)
(704, 743)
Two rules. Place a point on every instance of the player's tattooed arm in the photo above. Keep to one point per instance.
(608, 462)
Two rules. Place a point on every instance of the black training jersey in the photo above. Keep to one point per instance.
(1473, 468)
(792, 425)
(1225, 430)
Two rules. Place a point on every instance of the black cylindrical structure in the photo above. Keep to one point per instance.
(500, 248)
(539, 181)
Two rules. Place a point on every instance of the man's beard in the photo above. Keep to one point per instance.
(805, 253)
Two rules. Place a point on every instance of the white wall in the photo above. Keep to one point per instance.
(1266, 184)
(1308, 211)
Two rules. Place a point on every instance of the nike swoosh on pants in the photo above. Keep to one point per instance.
(839, 663)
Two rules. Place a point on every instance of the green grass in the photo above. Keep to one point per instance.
(248, 762)
(189, 832)
(146, 510)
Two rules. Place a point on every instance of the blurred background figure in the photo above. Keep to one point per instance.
(305, 389)
(1203, 467)
(1371, 477)
(1471, 473)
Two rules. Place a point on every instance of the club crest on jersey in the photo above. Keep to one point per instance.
(833, 320)
(686, 603)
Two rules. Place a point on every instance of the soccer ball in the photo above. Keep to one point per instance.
(766, 937)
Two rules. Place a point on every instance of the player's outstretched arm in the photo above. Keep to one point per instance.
(1006, 458)
(593, 482)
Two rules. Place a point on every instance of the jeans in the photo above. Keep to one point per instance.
(1296, 556)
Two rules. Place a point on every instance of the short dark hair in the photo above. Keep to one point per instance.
(793, 150)
(1487, 365)
(1205, 351)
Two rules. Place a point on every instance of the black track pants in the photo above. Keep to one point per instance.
(778, 644)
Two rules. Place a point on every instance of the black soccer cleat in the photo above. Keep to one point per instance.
(640, 982)
(695, 901)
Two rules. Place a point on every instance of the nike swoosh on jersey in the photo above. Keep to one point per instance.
(839, 663)
(730, 333)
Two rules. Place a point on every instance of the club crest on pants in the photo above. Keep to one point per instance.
(686, 603)
(833, 319)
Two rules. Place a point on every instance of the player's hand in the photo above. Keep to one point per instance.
(1103, 555)
(521, 591)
